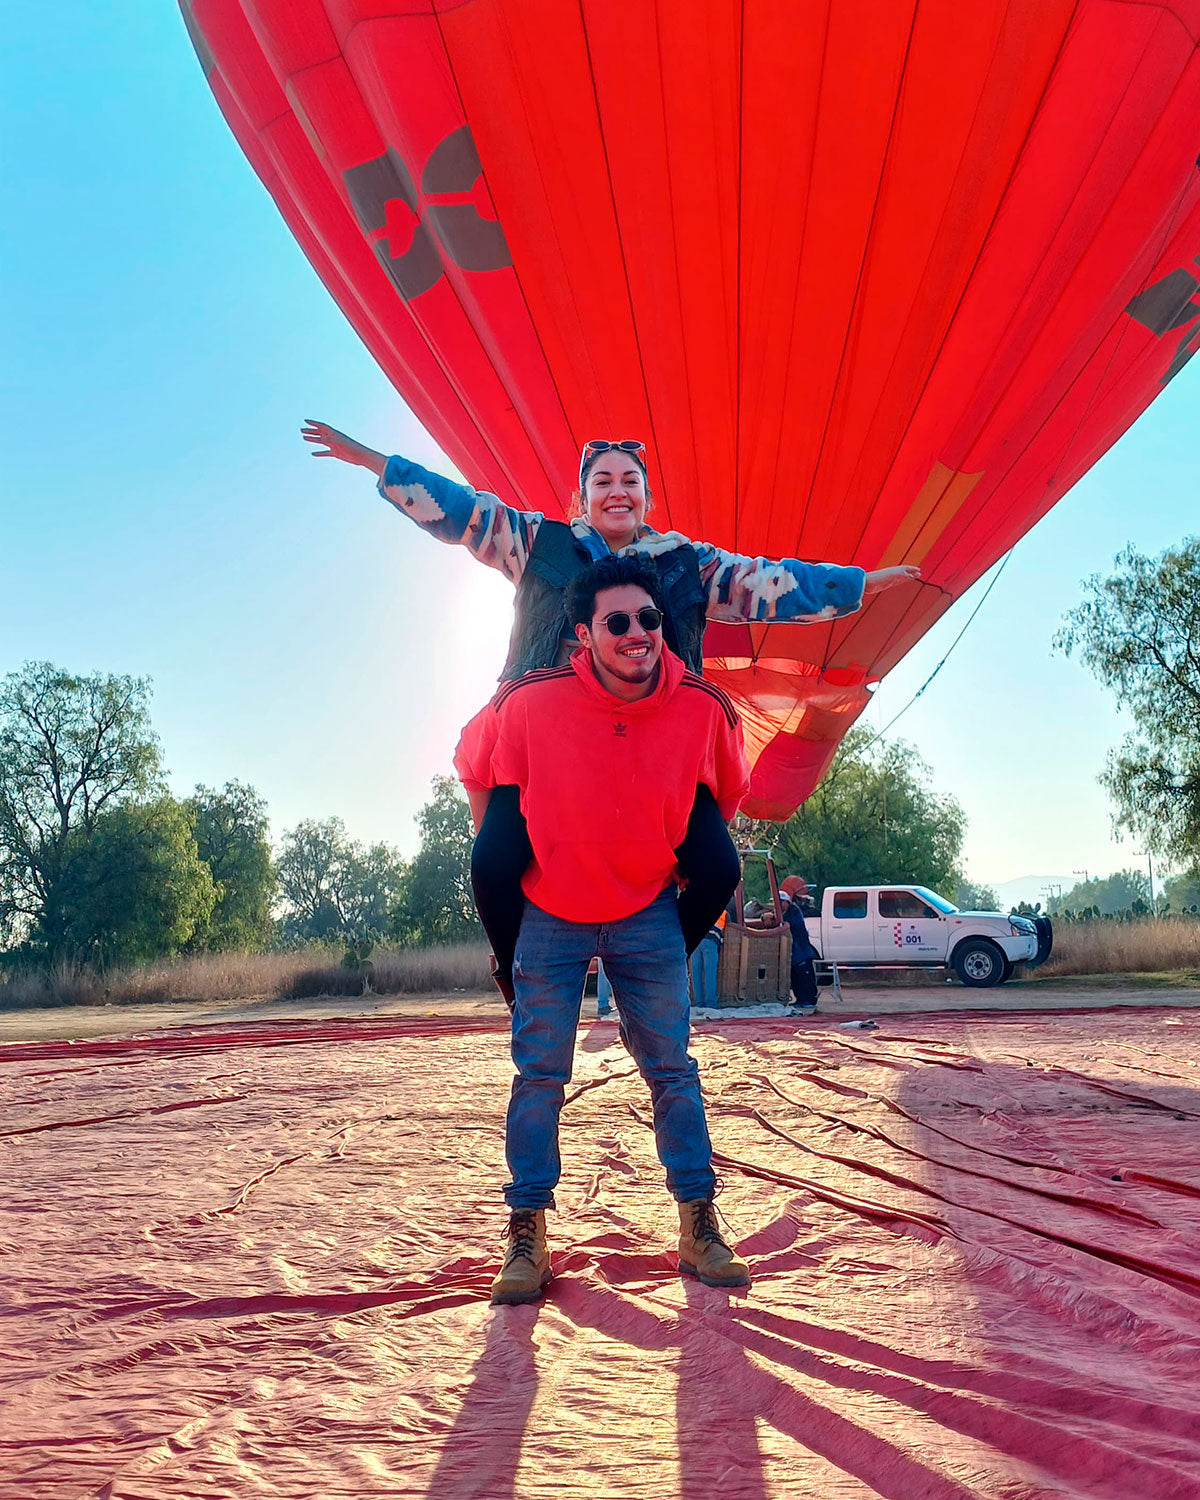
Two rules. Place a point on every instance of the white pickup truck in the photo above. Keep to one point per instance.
(870, 926)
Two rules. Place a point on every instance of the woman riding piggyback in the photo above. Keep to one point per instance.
(698, 581)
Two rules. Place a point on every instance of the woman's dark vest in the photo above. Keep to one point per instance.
(541, 613)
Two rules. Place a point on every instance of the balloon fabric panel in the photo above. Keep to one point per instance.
(877, 282)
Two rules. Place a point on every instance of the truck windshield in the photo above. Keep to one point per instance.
(944, 906)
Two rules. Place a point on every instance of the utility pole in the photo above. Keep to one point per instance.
(1149, 858)
(1084, 873)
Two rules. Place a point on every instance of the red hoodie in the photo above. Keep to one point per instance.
(606, 786)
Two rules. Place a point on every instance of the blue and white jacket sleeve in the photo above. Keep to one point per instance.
(761, 588)
(496, 534)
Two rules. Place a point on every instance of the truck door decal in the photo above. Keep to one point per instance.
(913, 938)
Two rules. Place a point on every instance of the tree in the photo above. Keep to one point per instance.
(873, 819)
(231, 831)
(1139, 633)
(971, 897)
(71, 750)
(436, 904)
(1181, 892)
(1121, 891)
(333, 888)
(133, 889)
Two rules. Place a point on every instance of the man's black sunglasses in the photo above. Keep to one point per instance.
(620, 621)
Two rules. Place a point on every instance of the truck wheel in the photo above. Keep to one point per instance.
(978, 963)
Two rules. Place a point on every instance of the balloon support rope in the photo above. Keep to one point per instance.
(946, 658)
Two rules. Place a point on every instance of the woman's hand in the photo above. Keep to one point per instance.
(338, 445)
(886, 578)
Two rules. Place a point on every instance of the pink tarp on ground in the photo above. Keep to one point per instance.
(244, 1262)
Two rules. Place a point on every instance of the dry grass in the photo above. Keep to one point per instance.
(1151, 945)
(1148, 946)
(398, 971)
(250, 976)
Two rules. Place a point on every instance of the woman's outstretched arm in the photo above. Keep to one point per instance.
(785, 588)
(328, 442)
(886, 578)
(499, 535)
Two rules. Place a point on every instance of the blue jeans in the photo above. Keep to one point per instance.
(604, 992)
(704, 971)
(645, 960)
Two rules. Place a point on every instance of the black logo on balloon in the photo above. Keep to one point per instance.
(409, 231)
(1167, 305)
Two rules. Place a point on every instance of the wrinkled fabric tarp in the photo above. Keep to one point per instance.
(253, 1261)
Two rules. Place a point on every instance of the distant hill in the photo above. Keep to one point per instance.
(1031, 888)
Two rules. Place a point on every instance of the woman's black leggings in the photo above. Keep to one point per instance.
(707, 859)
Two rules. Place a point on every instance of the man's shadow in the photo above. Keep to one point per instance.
(743, 1365)
(722, 1396)
(481, 1452)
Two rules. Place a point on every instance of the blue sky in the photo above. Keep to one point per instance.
(163, 338)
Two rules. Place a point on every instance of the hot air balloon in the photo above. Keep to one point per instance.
(876, 280)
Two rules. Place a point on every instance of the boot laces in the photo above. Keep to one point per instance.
(704, 1222)
(522, 1232)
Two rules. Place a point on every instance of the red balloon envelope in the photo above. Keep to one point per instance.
(877, 281)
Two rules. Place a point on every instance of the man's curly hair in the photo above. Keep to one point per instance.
(608, 573)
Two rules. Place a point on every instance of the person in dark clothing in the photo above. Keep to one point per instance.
(803, 975)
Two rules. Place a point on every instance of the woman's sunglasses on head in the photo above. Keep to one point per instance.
(621, 621)
(602, 445)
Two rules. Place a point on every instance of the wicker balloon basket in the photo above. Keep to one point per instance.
(755, 964)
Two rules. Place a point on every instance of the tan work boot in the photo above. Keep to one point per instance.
(702, 1251)
(526, 1268)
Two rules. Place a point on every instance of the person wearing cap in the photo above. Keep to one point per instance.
(606, 753)
(792, 893)
(698, 581)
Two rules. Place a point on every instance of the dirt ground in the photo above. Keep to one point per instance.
(859, 1000)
